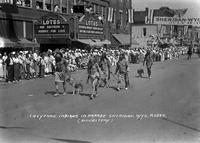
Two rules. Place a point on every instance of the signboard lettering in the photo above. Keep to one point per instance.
(177, 21)
(52, 29)
(51, 26)
(90, 28)
(51, 22)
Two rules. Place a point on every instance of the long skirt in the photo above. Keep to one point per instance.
(5, 72)
(10, 72)
(16, 71)
(41, 68)
(22, 71)
(1, 70)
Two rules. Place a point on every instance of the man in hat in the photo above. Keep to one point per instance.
(122, 71)
(104, 65)
(95, 76)
(61, 73)
(149, 62)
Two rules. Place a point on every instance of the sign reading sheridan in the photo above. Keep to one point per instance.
(90, 28)
(177, 21)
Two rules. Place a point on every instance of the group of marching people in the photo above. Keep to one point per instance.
(99, 71)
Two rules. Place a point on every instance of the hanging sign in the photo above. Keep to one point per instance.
(177, 21)
(90, 28)
(52, 24)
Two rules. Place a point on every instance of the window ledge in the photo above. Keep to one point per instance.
(24, 7)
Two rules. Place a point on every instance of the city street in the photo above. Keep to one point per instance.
(162, 109)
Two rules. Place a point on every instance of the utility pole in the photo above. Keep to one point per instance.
(130, 24)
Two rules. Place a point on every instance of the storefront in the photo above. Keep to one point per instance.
(52, 31)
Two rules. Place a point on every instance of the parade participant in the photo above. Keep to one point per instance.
(122, 71)
(27, 65)
(16, 68)
(4, 65)
(198, 51)
(149, 62)
(189, 52)
(95, 76)
(89, 67)
(1, 66)
(41, 66)
(61, 73)
(104, 64)
(10, 68)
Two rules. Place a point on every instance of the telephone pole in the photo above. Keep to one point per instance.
(130, 24)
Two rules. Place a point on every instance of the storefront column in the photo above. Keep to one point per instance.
(24, 29)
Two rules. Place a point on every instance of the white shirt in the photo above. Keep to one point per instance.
(16, 60)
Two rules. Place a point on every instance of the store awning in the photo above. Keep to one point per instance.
(86, 41)
(4, 43)
(27, 43)
(124, 39)
(101, 43)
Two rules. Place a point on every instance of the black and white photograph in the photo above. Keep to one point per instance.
(99, 71)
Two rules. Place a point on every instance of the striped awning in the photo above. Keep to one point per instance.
(124, 39)
(86, 41)
(27, 43)
(4, 42)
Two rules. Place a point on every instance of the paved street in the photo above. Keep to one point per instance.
(162, 109)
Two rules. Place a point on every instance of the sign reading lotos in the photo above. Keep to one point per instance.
(90, 27)
(91, 23)
(52, 24)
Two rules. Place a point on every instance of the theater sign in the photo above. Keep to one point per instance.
(177, 21)
(52, 25)
(90, 27)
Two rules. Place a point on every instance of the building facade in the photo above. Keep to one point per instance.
(142, 30)
(31, 21)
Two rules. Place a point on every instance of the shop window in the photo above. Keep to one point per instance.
(24, 3)
(121, 18)
(78, 9)
(45, 6)
(65, 5)
(64, 10)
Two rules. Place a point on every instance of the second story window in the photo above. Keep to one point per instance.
(24, 3)
(56, 8)
(39, 5)
(44, 4)
(65, 5)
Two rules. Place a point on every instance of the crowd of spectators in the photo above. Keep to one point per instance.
(16, 66)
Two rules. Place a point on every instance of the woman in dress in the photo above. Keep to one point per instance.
(1, 66)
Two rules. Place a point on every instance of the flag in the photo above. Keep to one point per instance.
(110, 14)
(130, 15)
(171, 29)
(185, 30)
(159, 28)
(149, 17)
(81, 19)
(180, 12)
